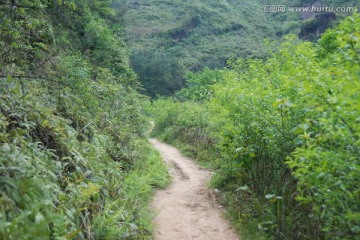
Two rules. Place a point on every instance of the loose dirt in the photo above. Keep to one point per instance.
(187, 209)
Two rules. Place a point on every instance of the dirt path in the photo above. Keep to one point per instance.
(187, 209)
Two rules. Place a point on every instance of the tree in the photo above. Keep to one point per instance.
(158, 72)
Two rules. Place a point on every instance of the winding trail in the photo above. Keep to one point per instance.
(187, 209)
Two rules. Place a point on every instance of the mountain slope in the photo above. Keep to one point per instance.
(199, 32)
(168, 38)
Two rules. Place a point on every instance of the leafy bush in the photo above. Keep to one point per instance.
(198, 85)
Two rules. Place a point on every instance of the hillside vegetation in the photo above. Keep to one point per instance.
(281, 132)
(189, 35)
(199, 32)
(74, 160)
(192, 35)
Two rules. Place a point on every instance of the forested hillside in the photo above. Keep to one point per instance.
(191, 35)
(74, 161)
(282, 133)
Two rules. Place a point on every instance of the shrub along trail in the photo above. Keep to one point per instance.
(187, 209)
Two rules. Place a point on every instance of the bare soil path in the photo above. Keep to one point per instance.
(187, 209)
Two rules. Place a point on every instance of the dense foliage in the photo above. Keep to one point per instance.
(283, 134)
(74, 161)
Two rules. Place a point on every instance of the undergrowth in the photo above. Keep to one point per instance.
(64, 182)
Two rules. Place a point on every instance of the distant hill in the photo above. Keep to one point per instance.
(201, 32)
(207, 33)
